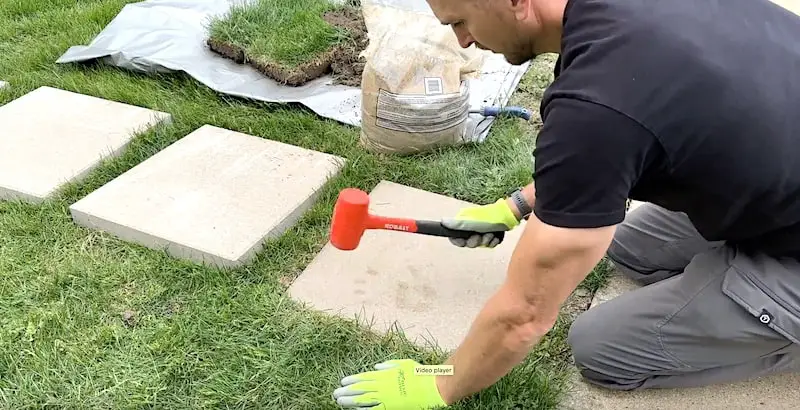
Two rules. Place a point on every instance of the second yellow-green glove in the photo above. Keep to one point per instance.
(484, 219)
(392, 386)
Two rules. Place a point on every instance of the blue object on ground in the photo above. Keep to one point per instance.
(513, 111)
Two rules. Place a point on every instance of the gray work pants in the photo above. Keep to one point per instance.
(707, 314)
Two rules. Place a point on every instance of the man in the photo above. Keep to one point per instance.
(690, 106)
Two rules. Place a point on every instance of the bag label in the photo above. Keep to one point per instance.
(422, 113)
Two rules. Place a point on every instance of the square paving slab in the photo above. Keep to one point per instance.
(791, 5)
(427, 287)
(774, 392)
(213, 196)
(49, 137)
(634, 204)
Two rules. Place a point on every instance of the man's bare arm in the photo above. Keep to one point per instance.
(548, 263)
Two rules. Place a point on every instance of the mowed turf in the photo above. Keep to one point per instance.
(287, 32)
(88, 321)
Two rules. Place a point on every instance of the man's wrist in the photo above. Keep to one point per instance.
(514, 210)
(521, 201)
(442, 387)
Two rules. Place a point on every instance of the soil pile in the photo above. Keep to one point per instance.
(346, 65)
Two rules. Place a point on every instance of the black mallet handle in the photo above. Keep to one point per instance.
(435, 228)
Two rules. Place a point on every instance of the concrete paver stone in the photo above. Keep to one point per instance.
(791, 5)
(634, 204)
(50, 137)
(3, 83)
(773, 392)
(781, 392)
(212, 197)
(425, 286)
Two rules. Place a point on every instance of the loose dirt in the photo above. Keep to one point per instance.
(346, 65)
(129, 318)
(341, 60)
(577, 303)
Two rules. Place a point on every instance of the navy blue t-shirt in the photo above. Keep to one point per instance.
(690, 105)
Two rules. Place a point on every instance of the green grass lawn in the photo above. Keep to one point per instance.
(201, 337)
(288, 32)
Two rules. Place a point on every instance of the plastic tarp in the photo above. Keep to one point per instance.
(163, 36)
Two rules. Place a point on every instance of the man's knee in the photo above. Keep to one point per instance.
(621, 250)
(629, 247)
(628, 258)
(653, 244)
(655, 240)
(588, 338)
(581, 339)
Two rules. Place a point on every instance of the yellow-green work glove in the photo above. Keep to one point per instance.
(485, 220)
(392, 386)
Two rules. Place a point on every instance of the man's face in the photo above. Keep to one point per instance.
(495, 25)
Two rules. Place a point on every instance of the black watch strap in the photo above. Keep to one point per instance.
(522, 205)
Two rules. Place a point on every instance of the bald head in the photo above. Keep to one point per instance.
(518, 29)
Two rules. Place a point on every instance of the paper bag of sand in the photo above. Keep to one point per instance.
(414, 97)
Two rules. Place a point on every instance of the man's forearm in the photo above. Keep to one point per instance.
(547, 265)
(504, 331)
(500, 336)
(499, 339)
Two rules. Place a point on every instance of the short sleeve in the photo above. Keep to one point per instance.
(587, 159)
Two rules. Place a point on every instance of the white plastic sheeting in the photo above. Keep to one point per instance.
(170, 35)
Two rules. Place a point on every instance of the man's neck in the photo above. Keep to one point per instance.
(551, 15)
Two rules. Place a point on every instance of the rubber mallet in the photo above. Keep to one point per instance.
(351, 218)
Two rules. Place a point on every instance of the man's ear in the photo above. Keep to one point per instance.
(520, 8)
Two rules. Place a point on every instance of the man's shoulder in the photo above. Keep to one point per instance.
(606, 45)
(668, 13)
(686, 26)
(641, 56)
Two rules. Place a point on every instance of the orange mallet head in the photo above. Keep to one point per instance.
(351, 218)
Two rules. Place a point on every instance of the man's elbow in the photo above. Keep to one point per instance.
(540, 281)
(527, 323)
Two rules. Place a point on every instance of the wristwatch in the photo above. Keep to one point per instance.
(522, 204)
